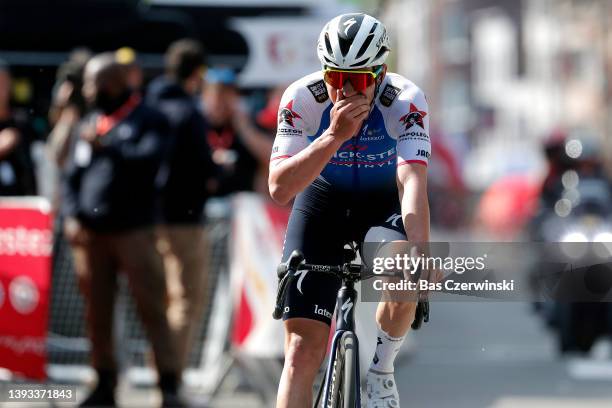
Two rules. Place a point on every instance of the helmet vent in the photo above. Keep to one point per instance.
(367, 42)
(381, 52)
(363, 61)
(345, 45)
(328, 45)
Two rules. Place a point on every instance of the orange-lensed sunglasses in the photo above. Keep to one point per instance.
(359, 79)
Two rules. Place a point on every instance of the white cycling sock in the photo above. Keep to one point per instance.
(387, 348)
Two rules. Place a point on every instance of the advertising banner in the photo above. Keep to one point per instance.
(25, 269)
(256, 245)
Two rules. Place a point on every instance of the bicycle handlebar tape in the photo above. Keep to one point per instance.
(280, 298)
(295, 259)
(278, 312)
(281, 270)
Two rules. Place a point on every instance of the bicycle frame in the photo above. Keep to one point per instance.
(345, 309)
(345, 322)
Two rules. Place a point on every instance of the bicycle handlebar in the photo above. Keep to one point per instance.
(347, 271)
(356, 271)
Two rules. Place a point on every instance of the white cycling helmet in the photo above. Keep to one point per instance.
(352, 41)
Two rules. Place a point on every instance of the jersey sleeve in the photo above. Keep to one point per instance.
(412, 127)
(292, 130)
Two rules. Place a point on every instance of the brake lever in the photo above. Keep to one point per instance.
(285, 272)
(280, 296)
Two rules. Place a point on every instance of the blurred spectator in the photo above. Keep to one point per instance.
(578, 151)
(127, 57)
(67, 108)
(109, 203)
(558, 162)
(16, 168)
(266, 120)
(586, 153)
(68, 83)
(238, 146)
(182, 239)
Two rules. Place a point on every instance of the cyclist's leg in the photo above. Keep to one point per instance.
(305, 347)
(393, 318)
(314, 229)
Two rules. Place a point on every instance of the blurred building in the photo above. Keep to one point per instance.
(242, 34)
(502, 75)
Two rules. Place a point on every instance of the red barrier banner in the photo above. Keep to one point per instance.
(256, 244)
(25, 273)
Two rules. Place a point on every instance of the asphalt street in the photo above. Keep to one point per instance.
(470, 355)
(498, 355)
(489, 355)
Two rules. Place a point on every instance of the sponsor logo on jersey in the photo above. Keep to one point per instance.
(288, 132)
(371, 138)
(371, 135)
(322, 312)
(414, 136)
(360, 159)
(414, 117)
(275, 149)
(423, 153)
(319, 91)
(287, 115)
(388, 95)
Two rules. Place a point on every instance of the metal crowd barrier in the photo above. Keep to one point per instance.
(68, 345)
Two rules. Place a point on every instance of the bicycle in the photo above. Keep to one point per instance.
(340, 384)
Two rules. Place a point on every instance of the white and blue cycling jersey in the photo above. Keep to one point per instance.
(395, 133)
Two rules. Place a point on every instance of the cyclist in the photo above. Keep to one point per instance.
(350, 140)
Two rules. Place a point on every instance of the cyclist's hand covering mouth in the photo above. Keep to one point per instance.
(347, 115)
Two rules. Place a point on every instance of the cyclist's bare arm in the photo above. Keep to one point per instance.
(292, 175)
(395, 318)
(412, 187)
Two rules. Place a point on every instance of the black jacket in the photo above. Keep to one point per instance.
(113, 187)
(17, 176)
(189, 165)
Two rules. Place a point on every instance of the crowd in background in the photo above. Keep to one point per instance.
(16, 165)
(135, 164)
